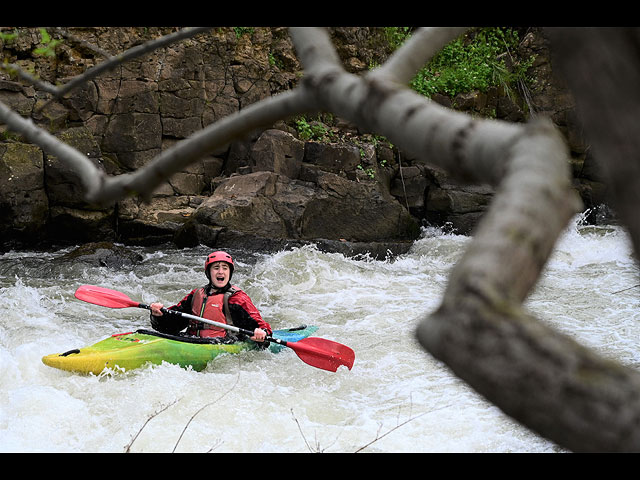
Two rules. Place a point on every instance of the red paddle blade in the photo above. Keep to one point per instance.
(104, 296)
(323, 353)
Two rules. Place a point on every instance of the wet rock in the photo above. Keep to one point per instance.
(279, 152)
(332, 157)
(332, 207)
(63, 183)
(104, 254)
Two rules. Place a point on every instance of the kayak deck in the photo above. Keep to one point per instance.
(132, 350)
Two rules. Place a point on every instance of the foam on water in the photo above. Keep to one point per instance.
(261, 402)
(590, 290)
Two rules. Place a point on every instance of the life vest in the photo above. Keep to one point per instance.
(212, 307)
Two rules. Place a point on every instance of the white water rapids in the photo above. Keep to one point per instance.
(395, 399)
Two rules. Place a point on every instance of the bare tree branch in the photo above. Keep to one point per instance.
(130, 54)
(26, 76)
(111, 62)
(126, 56)
(151, 417)
(206, 405)
(89, 174)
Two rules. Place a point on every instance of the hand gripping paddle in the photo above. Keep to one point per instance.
(314, 351)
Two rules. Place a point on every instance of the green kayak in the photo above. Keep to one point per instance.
(132, 350)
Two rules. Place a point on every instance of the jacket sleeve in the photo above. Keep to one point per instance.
(244, 313)
(172, 324)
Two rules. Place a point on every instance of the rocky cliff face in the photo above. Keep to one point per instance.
(336, 185)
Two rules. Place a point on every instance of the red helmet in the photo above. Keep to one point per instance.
(219, 256)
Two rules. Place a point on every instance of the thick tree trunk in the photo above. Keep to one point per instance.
(601, 66)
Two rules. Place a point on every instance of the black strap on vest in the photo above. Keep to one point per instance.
(227, 312)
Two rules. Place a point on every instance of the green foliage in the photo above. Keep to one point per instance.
(370, 172)
(275, 61)
(48, 47)
(8, 37)
(367, 166)
(240, 31)
(473, 62)
(311, 130)
(396, 35)
(8, 136)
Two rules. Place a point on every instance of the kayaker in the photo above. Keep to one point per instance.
(218, 301)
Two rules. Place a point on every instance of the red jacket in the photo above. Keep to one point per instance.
(243, 313)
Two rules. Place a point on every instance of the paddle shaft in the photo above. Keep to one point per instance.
(231, 328)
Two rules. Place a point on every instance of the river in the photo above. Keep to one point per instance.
(395, 399)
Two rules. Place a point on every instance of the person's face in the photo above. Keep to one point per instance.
(219, 273)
